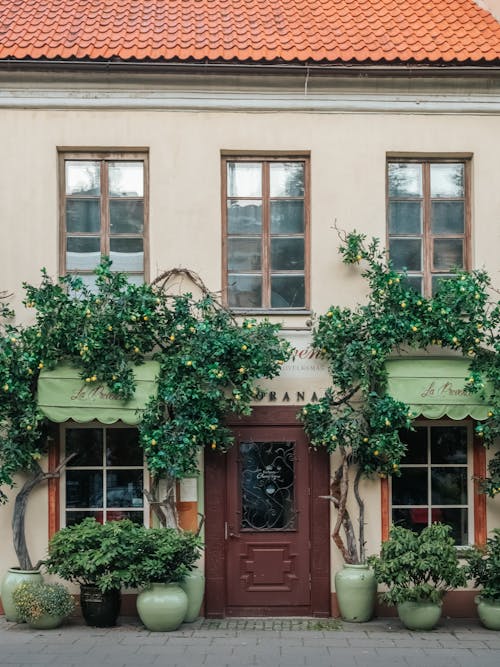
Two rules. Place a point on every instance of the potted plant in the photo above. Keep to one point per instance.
(167, 556)
(43, 606)
(484, 567)
(418, 569)
(99, 557)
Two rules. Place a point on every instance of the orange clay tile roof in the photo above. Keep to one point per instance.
(323, 31)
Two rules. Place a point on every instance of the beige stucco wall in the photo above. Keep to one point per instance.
(348, 153)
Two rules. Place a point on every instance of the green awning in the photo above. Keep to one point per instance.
(62, 395)
(435, 387)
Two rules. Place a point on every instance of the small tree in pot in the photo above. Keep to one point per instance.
(418, 570)
(484, 567)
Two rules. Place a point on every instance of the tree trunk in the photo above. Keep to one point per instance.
(339, 492)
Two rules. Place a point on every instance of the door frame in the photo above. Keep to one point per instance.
(215, 517)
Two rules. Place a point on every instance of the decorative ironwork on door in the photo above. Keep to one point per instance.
(267, 486)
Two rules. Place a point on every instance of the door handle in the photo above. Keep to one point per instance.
(228, 530)
(233, 535)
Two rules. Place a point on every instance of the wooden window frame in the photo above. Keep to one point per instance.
(266, 159)
(427, 237)
(477, 500)
(103, 156)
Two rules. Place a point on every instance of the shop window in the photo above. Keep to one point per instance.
(436, 480)
(103, 212)
(428, 219)
(266, 233)
(105, 478)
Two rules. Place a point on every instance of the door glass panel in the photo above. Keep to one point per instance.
(448, 254)
(267, 486)
(406, 254)
(126, 179)
(244, 216)
(447, 180)
(244, 254)
(244, 179)
(447, 217)
(405, 217)
(288, 291)
(286, 179)
(405, 180)
(287, 217)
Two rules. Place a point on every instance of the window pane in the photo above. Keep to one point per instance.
(416, 442)
(82, 177)
(126, 254)
(405, 180)
(83, 488)
(244, 217)
(287, 291)
(405, 217)
(126, 216)
(287, 254)
(244, 179)
(77, 517)
(437, 281)
(83, 253)
(286, 179)
(448, 217)
(449, 486)
(287, 217)
(86, 443)
(136, 279)
(406, 254)
(415, 282)
(267, 486)
(122, 447)
(244, 254)
(116, 515)
(415, 519)
(447, 180)
(244, 291)
(457, 518)
(83, 215)
(126, 179)
(124, 488)
(449, 444)
(411, 487)
(448, 254)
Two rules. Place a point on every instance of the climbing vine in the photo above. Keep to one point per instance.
(209, 366)
(356, 418)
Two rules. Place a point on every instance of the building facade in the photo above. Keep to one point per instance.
(241, 164)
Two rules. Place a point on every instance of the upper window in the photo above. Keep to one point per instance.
(435, 482)
(266, 233)
(103, 213)
(428, 219)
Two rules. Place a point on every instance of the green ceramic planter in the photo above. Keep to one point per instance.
(194, 587)
(46, 622)
(162, 607)
(489, 612)
(419, 615)
(356, 589)
(13, 578)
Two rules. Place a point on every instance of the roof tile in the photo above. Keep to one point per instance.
(250, 30)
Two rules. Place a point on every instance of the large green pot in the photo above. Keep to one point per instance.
(194, 587)
(13, 577)
(489, 612)
(356, 590)
(162, 607)
(419, 615)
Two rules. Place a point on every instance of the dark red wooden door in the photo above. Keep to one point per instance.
(268, 559)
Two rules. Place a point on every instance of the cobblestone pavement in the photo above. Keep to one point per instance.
(240, 642)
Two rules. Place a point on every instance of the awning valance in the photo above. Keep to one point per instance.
(62, 395)
(435, 387)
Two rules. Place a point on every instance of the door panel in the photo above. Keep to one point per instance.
(267, 521)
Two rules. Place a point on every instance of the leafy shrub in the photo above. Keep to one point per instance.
(484, 566)
(418, 567)
(34, 599)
